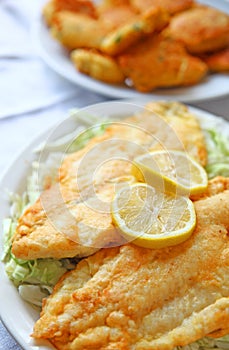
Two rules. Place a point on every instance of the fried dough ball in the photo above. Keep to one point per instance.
(161, 62)
(201, 29)
(219, 61)
(98, 66)
(171, 6)
(125, 36)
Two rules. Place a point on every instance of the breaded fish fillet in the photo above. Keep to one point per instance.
(201, 29)
(97, 65)
(73, 218)
(132, 298)
(157, 61)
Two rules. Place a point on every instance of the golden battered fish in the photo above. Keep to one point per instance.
(73, 218)
(67, 24)
(201, 29)
(52, 7)
(132, 298)
(160, 62)
(125, 36)
(97, 65)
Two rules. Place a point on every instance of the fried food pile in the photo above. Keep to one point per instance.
(123, 296)
(145, 44)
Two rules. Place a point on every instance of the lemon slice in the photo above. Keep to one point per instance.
(171, 171)
(152, 219)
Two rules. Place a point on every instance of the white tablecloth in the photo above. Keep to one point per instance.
(33, 97)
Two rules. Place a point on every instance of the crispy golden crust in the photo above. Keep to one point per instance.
(161, 62)
(171, 6)
(98, 66)
(124, 36)
(52, 7)
(85, 7)
(136, 298)
(201, 29)
(69, 220)
(219, 61)
(181, 120)
(67, 24)
(217, 185)
(113, 3)
(116, 16)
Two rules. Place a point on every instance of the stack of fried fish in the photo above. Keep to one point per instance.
(145, 44)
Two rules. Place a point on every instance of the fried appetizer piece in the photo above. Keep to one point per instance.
(123, 37)
(160, 62)
(79, 6)
(75, 30)
(98, 66)
(201, 29)
(135, 298)
(73, 218)
(219, 61)
(170, 6)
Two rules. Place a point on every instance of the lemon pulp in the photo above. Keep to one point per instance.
(152, 219)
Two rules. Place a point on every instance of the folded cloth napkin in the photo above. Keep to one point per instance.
(26, 83)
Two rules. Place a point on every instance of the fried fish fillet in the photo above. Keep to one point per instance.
(201, 29)
(97, 65)
(150, 21)
(52, 7)
(73, 218)
(76, 30)
(160, 62)
(132, 298)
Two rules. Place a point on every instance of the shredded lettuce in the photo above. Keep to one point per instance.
(41, 273)
(218, 154)
(35, 279)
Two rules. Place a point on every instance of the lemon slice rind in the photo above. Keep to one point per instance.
(144, 173)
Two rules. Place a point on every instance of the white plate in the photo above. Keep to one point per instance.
(17, 315)
(56, 57)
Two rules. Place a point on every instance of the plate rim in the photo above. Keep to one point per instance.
(36, 139)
